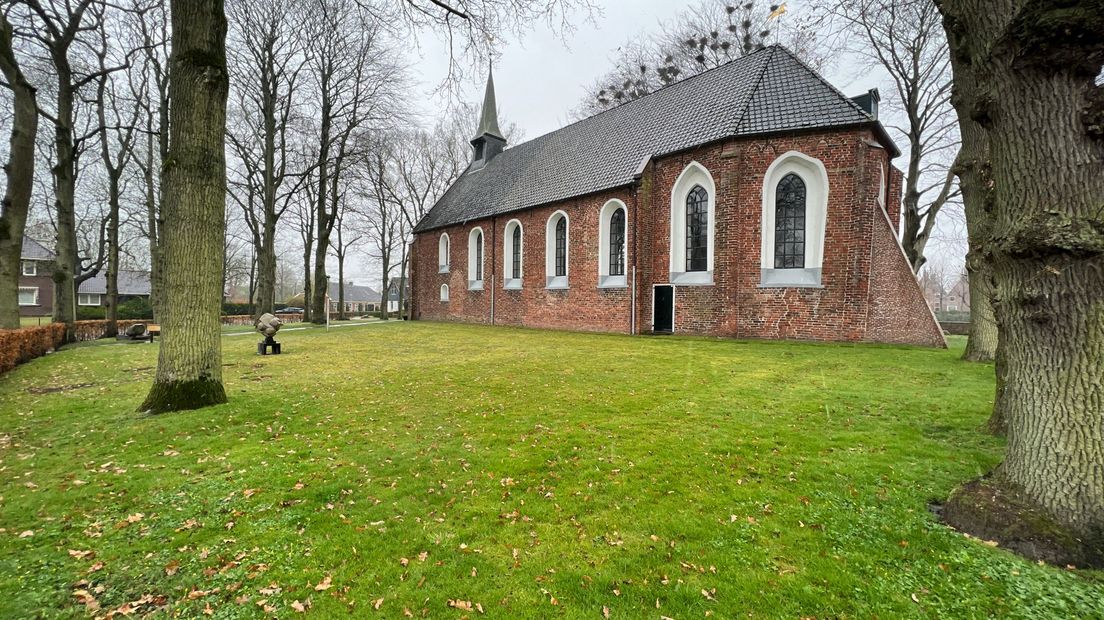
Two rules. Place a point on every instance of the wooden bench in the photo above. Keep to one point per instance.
(153, 331)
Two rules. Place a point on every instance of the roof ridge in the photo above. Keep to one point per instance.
(755, 88)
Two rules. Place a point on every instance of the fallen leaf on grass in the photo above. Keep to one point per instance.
(26, 533)
(299, 607)
(80, 555)
(376, 604)
(324, 584)
(605, 612)
(172, 567)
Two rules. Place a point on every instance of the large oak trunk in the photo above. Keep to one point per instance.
(1029, 69)
(189, 366)
(20, 173)
(975, 180)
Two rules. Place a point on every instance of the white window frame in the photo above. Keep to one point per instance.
(443, 253)
(605, 280)
(33, 289)
(693, 175)
(815, 176)
(82, 299)
(508, 255)
(444, 293)
(552, 281)
(476, 285)
(29, 268)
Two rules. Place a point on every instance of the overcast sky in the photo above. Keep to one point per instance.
(541, 78)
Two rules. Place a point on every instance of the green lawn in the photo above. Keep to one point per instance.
(397, 467)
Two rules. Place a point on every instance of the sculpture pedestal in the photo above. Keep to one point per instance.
(268, 343)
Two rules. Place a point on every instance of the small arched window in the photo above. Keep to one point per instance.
(697, 229)
(443, 253)
(444, 292)
(617, 243)
(789, 223)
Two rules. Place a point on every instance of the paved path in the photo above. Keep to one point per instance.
(332, 325)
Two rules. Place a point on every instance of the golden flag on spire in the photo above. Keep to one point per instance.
(778, 11)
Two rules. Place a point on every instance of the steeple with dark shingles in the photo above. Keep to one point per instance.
(488, 140)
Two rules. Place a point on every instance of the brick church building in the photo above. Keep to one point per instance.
(751, 201)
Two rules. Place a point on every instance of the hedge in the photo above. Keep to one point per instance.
(23, 345)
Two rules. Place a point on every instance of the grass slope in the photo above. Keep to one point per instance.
(393, 468)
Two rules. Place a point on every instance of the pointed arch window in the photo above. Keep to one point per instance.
(513, 253)
(443, 253)
(789, 223)
(515, 271)
(617, 243)
(697, 229)
(475, 259)
(557, 236)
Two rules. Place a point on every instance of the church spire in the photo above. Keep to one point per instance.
(488, 121)
(488, 141)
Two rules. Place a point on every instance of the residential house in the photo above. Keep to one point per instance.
(36, 286)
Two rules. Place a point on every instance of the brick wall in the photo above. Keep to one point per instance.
(857, 244)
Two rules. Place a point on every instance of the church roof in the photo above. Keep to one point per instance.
(767, 91)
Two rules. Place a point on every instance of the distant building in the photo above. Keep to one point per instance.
(36, 287)
(358, 299)
(393, 295)
(941, 298)
(93, 291)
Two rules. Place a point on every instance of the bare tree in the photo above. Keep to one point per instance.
(356, 80)
(266, 64)
(349, 233)
(117, 140)
(702, 37)
(20, 176)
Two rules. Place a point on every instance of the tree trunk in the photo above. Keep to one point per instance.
(189, 366)
(1029, 72)
(402, 280)
(307, 289)
(975, 180)
(153, 227)
(383, 294)
(112, 312)
(341, 286)
(67, 262)
(20, 173)
(266, 266)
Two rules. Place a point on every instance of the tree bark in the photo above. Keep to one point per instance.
(975, 181)
(1030, 69)
(189, 366)
(67, 261)
(20, 173)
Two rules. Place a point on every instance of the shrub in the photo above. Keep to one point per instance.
(22, 345)
(90, 313)
(136, 308)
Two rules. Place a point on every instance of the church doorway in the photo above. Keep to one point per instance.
(663, 309)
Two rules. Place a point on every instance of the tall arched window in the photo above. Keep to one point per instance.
(789, 223)
(557, 235)
(561, 247)
(693, 226)
(443, 253)
(795, 214)
(479, 256)
(697, 229)
(512, 255)
(475, 259)
(617, 243)
(612, 234)
(444, 292)
(515, 254)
